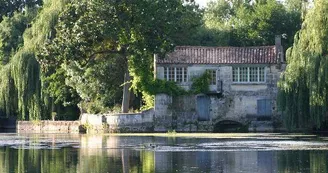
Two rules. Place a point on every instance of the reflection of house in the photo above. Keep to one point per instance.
(216, 161)
(243, 83)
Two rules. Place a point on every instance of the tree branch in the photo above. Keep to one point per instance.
(106, 52)
(93, 55)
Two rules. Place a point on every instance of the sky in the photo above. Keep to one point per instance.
(202, 3)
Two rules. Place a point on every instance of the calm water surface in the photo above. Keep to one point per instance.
(263, 153)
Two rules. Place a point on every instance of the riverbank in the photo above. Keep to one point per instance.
(143, 122)
(48, 127)
(219, 135)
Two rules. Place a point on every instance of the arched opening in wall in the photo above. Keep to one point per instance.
(229, 126)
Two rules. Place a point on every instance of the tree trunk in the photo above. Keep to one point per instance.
(126, 92)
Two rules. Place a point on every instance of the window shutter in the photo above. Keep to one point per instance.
(203, 105)
(264, 107)
(260, 107)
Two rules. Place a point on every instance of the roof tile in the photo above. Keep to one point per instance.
(221, 55)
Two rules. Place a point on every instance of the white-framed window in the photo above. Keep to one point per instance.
(212, 73)
(248, 74)
(176, 74)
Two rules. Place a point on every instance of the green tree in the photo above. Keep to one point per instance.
(8, 7)
(97, 32)
(303, 97)
(21, 89)
(11, 33)
(298, 6)
(248, 23)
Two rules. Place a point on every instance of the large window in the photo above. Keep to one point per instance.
(176, 74)
(212, 74)
(248, 74)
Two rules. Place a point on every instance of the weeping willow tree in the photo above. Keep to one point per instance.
(303, 88)
(21, 87)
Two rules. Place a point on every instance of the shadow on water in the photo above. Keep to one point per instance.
(7, 125)
(305, 161)
(2, 130)
(323, 130)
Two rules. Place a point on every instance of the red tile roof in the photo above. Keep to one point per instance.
(221, 55)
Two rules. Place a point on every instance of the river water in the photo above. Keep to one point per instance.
(217, 153)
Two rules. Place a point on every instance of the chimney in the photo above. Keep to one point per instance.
(278, 40)
(155, 65)
(279, 49)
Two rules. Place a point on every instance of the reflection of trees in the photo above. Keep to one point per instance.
(36, 160)
(20, 165)
(318, 161)
(302, 161)
(148, 161)
(4, 157)
(57, 161)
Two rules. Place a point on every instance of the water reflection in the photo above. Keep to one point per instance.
(303, 161)
(99, 154)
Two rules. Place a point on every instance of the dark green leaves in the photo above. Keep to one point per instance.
(8, 7)
(246, 23)
(304, 86)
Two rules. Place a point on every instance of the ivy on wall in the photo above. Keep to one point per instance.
(144, 82)
(201, 84)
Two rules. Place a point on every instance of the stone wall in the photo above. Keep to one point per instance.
(179, 114)
(134, 122)
(163, 113)
(48, 126)
(93, 123)
(236, 102)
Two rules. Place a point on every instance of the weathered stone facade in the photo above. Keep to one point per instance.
(237, 102)
(133, 122)
(228, 100)
(48, 127)
(93, 123)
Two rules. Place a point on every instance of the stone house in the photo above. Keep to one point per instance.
(243, 86)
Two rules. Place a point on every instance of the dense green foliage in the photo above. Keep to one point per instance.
(8, 7)
(248, 23)
(11, 39)
(11, 33)
(114, 37)
(303, 96)
(21, 88)
(201, 84)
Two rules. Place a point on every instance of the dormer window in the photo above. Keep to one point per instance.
(176, 74)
